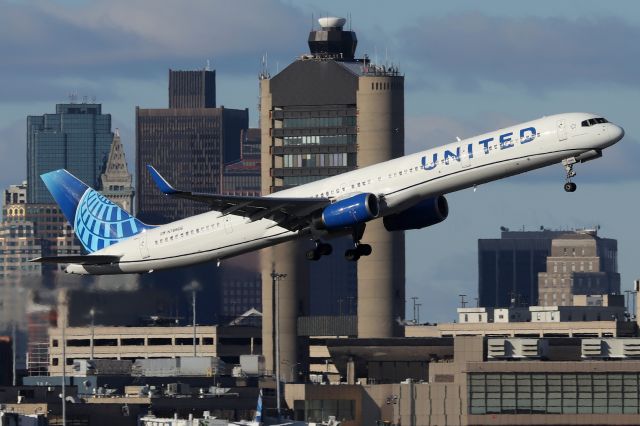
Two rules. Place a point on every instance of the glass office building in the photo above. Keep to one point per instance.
(77, 138)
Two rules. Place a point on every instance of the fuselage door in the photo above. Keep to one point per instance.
(142, 245)
(562, 130)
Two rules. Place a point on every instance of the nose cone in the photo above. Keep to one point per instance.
(617, 133)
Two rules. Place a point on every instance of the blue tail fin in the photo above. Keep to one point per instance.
(97, 222)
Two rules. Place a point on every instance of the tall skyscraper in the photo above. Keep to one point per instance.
(77, 138)
(242, 177)
(188, 145)
(323, 115)
(116, 181)
(192, 89)
(580, 263)
(508, 267)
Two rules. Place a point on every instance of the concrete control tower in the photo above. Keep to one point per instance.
(327, 113)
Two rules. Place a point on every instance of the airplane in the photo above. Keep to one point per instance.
(406, 193)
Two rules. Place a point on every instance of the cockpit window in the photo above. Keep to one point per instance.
(594, 121)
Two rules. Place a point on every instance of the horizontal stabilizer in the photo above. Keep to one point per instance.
(79, 260)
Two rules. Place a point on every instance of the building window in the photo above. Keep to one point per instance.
(319, 410)
(157, 341)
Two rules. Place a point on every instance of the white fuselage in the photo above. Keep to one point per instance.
(398, 183)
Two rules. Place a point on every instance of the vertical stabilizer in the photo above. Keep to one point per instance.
(96, 220)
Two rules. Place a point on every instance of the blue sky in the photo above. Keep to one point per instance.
(470, 67)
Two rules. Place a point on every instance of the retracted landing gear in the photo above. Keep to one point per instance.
(360, 249)
(322, 249)
(568, 166)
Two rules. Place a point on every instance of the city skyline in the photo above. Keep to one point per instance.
(495, 68)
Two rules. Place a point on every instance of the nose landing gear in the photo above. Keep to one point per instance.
(568, 166)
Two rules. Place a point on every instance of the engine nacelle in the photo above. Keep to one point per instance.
(348, 212)
(426, 213)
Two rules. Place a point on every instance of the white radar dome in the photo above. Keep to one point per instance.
(332, 22)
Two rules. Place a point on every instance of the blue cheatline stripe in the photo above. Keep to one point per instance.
(111, 214)
(92, 201)
(89, 225)
(96, 227)
(103, 208)
(118, 214)
(113, 230)
(81, 233)
(134, 227)
(119, 230)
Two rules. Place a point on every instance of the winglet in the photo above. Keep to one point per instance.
(161, 182)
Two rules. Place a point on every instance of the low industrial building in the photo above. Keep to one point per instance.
(473, 389)
(131, 343)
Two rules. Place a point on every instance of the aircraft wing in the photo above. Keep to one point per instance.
(79, 259)
(288, 212)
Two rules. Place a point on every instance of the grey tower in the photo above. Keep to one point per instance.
(325, 114)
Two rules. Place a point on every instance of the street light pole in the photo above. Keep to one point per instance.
(277, 277)
(14, 348)
(63, 322)
(92, 314)
(414, 298)
(193, 307)
(193, 286)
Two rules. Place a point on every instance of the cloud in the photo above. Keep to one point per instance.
(535, 52)
(134, 39)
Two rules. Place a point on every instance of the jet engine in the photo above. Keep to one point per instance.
(348, 212)
(426, 213)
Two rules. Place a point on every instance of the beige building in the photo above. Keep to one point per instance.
(116, 181)
(471, 390)
(526, 329)
(580, 263)
(128, 343)
(325, 114)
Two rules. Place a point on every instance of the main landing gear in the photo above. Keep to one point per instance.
(360, 249)
(355, 253)
(568, 166)
(321, 249)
